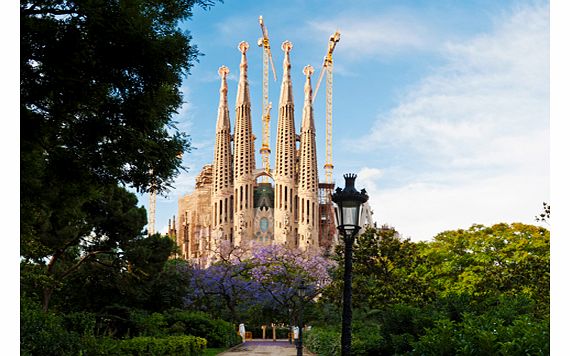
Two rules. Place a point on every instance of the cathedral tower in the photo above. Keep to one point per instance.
(222, 185)
(244, 159)
(284, 176)
(308, 179)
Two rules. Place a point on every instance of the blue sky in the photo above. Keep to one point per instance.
(441, 108)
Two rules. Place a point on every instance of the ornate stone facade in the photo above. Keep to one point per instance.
(229, 204)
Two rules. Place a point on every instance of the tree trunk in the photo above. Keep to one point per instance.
(48, 291)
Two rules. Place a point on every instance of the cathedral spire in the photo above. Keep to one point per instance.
(223, 111)
(244, 159)
(308, 176)
(285, 160)
(286, 86)
(308, 123)
(243, 85)
(222, 184)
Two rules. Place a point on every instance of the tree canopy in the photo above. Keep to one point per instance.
(479, 291)
(99, 85)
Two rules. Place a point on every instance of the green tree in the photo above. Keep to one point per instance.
(485, 262)
(483, 290)
(384, 271)
(99, 84)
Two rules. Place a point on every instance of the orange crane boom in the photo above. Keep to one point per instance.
(328, 68)
(266, 106)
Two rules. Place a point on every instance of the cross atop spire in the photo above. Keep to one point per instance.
(243, 86)
(308, 122)
(223, 113)
(286, 87)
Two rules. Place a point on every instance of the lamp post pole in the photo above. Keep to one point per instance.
(346, 336)
(291, 326)
(301, 293)
(349, 202)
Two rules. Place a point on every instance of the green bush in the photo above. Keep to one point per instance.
(43, 333)
(366, 340)
(526, 337)
(145, 324)
(219, 333)
(323, 342)
(99, 346)
(170, 345)
(82, 323)
(485, 335)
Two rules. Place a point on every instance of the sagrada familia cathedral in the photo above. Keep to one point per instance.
(231, 202)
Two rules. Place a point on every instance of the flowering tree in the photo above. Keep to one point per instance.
(261, 282)
(280, 271)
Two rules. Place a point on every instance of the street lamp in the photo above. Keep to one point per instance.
(301, 293)
(349, 202)
(292, 333)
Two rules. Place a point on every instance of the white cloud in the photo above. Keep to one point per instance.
(421, 210)
(386, 34)
(477, 129)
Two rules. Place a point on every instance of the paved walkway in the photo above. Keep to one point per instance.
(264, 347)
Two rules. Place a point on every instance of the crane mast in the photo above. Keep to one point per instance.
(152, 206)
(152, 213)
(266, 107)
(328, 68)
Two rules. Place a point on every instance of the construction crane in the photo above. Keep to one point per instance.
(266, 107)
(152, 201)
(328, 68)
(152, 208)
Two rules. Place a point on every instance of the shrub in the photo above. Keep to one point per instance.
(106, 345)
(42, 333)
(145, 324)
(366, 340)
(526, 336)
(219, 333)
(170, 345)
(82, 323)
(323, 342)
(438, 340)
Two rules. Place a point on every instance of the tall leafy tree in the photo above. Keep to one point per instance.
(99, 84)
(485, 262)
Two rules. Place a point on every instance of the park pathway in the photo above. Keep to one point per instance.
(264, 347)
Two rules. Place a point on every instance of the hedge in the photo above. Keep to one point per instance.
(170, 345)
(219, 333)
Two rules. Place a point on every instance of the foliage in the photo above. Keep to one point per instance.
(42, 333)
(259, 288)
(384, 271)
(145, 324)
(485, 335)
(100, 230)
(484, 262)
(135, 277)
(99, 85)
(322, 341)
(484, 290)
(219, 333)
(170, 345)
(545, 215)
(366, 340)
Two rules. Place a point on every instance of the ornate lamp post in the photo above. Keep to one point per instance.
(292, 327)
(349, 202)
(301, 293)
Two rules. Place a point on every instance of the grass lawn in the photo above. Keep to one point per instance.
(213, 352)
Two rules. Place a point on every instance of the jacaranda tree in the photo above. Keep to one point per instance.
(263, 280)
